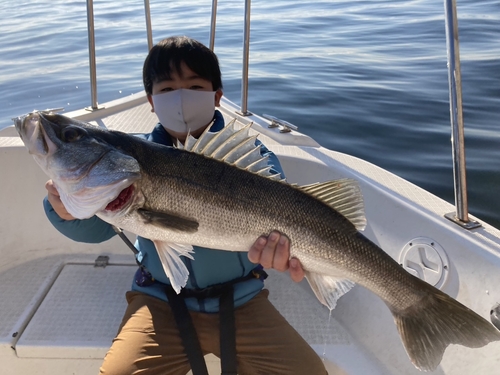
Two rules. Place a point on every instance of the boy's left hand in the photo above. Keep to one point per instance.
(274, 252)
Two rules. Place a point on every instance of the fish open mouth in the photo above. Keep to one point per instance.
(121, 200)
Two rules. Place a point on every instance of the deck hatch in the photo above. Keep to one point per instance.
(80, 314)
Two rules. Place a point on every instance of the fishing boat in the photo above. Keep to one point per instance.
(62, 301)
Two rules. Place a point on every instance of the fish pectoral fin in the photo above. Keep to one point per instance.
(168, 220)
(174, 267)
(328, 289)
(342, 195)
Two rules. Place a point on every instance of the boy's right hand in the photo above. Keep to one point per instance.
(273, 251)
(55, 201)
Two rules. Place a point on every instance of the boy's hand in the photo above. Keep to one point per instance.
(55, 201)
(274, 252)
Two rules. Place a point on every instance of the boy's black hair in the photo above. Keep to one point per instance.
(167, 56)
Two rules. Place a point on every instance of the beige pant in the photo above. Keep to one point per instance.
(148, 341)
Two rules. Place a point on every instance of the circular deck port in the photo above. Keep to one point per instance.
(426, 259)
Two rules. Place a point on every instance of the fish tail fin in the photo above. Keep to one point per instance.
(438, 321)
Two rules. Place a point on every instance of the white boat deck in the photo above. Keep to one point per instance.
(60, 308)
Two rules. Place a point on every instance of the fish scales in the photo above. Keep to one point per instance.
(227, 199)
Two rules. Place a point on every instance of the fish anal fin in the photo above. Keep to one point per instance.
(168, 220)
(344, 196)
(437, 321)
(175, 269)
(328, 289)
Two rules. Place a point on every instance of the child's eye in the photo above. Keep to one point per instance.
(196, 87)
(167, 89)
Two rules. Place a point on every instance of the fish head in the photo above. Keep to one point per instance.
(89, 172)
(59, 146)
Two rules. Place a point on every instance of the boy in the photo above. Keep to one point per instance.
(182, 80)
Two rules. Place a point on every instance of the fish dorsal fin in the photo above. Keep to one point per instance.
(344, 196)
(232, 146)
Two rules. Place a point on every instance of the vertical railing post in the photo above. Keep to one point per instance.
(92, 63)
(461, 216)
(246, 54)
(149, 28)
(212, 25)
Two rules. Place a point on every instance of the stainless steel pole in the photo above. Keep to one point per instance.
(212, 25)
(149, 28)
(456, 117)
(246, 54)
(92, 63)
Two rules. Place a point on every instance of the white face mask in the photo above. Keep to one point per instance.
(183, 110)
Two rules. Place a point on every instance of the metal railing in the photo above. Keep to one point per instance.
(92, 63)
(454, 77)
(147, 11)
(92, 60)
(149, 27)
(461, 216)
(246, 57)
(212, 25)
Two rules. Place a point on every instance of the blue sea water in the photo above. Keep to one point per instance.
(368, 78)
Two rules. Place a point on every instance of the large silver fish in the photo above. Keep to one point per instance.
(217, 192)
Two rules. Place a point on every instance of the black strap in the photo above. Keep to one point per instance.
(125, 239)
(190, 338)
(188, 333)
(227, 329)
(216, 290)
(227, 332)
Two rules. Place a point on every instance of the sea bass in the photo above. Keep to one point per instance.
(217, 192)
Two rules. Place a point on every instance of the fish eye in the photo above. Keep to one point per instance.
(72, 134)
